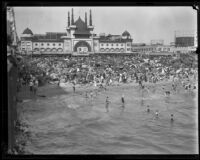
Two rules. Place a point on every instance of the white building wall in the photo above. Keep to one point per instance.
(128, 47)
(96, 45)
(47, 45)
(67, 46)
(110, 45)
(26, 45)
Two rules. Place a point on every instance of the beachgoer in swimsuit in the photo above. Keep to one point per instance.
(107, 104)
(148, 110)
(172, 117)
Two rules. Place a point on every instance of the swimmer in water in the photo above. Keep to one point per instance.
(156, 113)
(148, 110)
(172, 117)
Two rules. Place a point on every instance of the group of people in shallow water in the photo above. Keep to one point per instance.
(123, 107)
(188, 86)
(108, 102)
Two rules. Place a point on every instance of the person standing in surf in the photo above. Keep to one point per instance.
(107, 104)
(123, 101)
(74, 86)
(156, 113)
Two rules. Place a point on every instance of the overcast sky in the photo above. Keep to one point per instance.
(143, 23)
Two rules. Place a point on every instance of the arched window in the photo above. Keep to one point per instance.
(112, 50)
(53, 49)
(48, 49)
(107, 50)
(36, 49)
(117, 49)
(82, 44)
(102, 50)
(60, 50)
(121, 50)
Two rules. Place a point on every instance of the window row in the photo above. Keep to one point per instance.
(42, 44)
(111, 44)
(152, 49)
(25, 42)
(112, 50)
(49, 49)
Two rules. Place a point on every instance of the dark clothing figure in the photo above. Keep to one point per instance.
(172, 117)
(148, 110)
(74, 87)
(123, 100)
(107, 104)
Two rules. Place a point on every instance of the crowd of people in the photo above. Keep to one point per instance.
(105, 70)
(102, 71)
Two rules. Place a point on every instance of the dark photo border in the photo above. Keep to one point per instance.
(194, 4)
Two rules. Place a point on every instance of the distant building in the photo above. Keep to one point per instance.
(185, 41)
(157, 49)
(115, 43)
(78, 39)
(184, 38)
(172, 43)
(157, 42)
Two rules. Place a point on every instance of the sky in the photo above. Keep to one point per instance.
(143, 23)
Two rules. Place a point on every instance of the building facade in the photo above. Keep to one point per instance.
(78, 39)
(142, 48)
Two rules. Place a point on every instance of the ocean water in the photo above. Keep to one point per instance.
(71, 124)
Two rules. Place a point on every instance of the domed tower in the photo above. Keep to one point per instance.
(128, 40)
(26, 40)
(27, 33)
(126, 35)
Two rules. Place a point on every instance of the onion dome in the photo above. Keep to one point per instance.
(126, 33)
(27, 31)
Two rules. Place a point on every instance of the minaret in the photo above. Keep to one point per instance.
(68, 19)
(90, 18)
(72, 23)
(86, 19)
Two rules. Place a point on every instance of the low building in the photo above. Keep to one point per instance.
(153, 49)
(78, 39)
